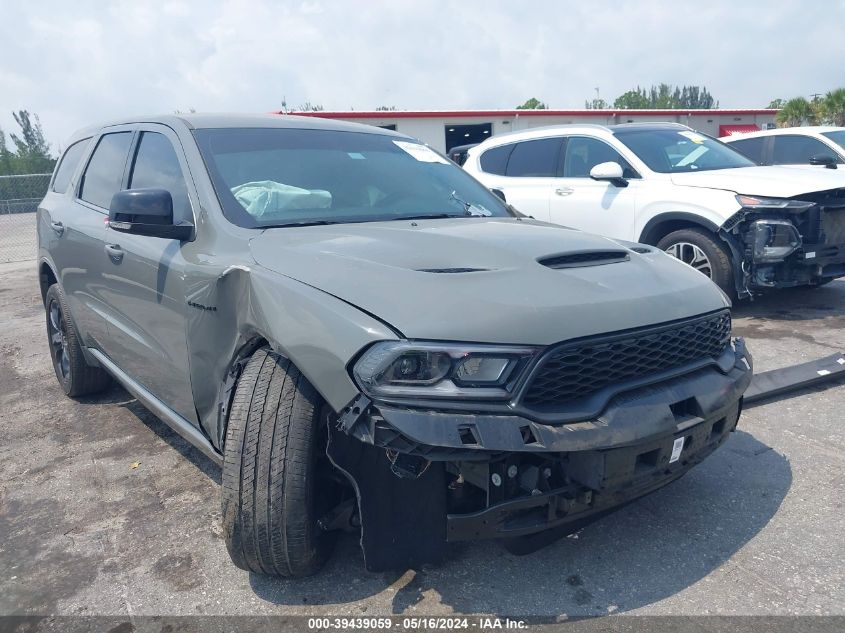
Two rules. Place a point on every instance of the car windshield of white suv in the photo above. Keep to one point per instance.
(837, 137)
(676, 151)
(296, 177)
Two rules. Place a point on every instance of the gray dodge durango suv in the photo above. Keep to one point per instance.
(367, 339)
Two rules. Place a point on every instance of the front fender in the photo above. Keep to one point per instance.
(707, 208)
(319, 333)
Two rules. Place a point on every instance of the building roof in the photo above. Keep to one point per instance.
(458, 114)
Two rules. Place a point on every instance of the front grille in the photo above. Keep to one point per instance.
(833, 225)
(577, 370)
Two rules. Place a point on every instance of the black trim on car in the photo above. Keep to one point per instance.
(651, 233)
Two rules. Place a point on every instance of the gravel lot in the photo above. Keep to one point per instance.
(755, 529)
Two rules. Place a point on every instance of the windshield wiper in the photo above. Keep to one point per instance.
(431, 216)
(303, 223)
(470, 208)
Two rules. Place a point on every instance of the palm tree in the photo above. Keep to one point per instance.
(833, 107)
(795, 112)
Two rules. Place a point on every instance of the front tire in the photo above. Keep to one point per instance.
(698, 248)
(75, 375)
(273, 456)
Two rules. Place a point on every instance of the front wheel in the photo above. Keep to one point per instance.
(698, 248)
(275, 484)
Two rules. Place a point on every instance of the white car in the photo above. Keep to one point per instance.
(813, 145)
(747, 227)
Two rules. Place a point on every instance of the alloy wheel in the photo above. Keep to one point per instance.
(57, 331)
(691, 255)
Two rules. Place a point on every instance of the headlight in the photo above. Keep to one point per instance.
(773, 240)
(441, 370)
(755, 202)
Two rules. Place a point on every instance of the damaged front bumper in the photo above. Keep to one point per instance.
(427, 476)
(787, 249)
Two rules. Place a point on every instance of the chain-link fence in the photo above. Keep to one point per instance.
(19, 198)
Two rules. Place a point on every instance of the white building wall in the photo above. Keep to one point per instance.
(432, 130)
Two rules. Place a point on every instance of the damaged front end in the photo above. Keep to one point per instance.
(780, 242)
(569, 433)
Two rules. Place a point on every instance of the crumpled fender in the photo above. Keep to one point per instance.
(242, 306)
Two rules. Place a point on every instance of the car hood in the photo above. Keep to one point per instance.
(408, 275)
(773, 181)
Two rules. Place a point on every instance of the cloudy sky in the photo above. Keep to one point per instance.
(75, 63)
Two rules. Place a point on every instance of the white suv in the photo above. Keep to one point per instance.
(812, 145)
(746, 227)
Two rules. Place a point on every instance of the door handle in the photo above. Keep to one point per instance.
(114, 252)
(58, 227)
(564, 191)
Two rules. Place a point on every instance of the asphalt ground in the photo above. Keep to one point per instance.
(104, 510)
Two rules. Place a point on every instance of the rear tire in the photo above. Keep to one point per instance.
(75, 375)
(700, 249)
(273, 456)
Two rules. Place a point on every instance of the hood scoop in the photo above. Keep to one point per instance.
(452, 270)
(580, 259)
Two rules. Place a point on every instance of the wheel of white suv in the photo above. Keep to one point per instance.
(698, 248)
(75, 375)
(275, 471)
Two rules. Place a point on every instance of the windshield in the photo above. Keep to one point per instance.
(675, 151)
(294, 177)
(837, 137)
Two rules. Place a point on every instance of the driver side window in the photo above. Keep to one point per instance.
(157, 166)
(584, 153)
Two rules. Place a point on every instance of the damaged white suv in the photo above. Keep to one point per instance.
(747, 227)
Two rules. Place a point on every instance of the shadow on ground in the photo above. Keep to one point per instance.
(795, 304)
(648, 551)
(117, 395)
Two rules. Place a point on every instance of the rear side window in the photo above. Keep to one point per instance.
(584, 153)
(495, 161)
(797, 150)
(751, 147)
(532, 159)
(104, 173)
(67, 166)
(156, 166)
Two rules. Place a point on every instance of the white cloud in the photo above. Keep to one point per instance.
(79, 63)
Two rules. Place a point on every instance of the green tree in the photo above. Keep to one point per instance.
(776, 104)
(632, 100)
(533, 104)
(6, 157)
(310, 107)
(667, 97)
(833, 107)
(795, 112)
(32, 152)
(596, 104)
(694, 98)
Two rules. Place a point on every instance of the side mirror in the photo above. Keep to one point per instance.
(611, 172)
(499, 194)
(146, 212)
(824, 159)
